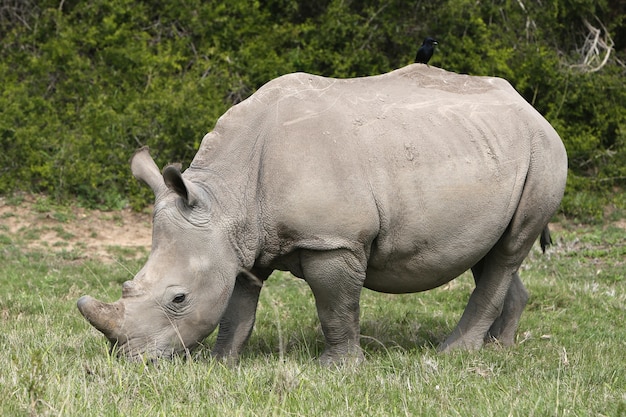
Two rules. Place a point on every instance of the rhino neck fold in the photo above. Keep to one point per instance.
(235, 208)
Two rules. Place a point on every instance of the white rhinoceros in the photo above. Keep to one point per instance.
(398, 183)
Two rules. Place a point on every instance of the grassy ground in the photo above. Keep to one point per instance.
(570, 359)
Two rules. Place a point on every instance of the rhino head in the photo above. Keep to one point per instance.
(179, 296)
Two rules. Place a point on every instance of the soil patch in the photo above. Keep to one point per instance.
(100, 235)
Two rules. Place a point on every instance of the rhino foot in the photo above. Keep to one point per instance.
(336, 357)
(227, 360)
(454, 342)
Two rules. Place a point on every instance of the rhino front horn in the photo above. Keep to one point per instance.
(104, 317)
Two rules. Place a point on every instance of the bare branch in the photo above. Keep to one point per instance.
(530, 23)
(597, 48)
(14, 11)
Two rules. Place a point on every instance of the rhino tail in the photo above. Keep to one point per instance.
(545, 239)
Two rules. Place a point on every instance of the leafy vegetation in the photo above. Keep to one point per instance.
(87, 82)
(568, 359)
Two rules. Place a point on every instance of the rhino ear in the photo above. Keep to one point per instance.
(190, 192)
(145, 169)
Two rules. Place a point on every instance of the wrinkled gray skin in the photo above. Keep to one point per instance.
(398, 183)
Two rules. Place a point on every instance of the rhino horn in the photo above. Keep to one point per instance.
(130, 289)
(104, 317)
(145, 169)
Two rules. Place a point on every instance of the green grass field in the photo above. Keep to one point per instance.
(570, 359)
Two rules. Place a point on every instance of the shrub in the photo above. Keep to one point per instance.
(85, 83)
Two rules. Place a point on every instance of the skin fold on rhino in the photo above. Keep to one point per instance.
(398, 183)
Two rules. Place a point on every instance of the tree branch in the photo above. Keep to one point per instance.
(594, 47)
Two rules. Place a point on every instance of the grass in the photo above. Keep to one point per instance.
(570, 357)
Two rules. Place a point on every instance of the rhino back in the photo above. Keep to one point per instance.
(420, 169)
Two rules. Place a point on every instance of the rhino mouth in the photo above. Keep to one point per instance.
(134, 350)
(109, 319)
(127, 352)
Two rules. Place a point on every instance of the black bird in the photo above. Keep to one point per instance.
(426, 51)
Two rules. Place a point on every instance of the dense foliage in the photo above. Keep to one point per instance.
(84, 83)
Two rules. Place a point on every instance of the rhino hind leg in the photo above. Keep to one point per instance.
(505, 326)
(336, 279)
(497, 302)
(485, 305)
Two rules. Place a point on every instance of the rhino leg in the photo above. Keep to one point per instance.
(484, 306)
(499, 296)
(336, 279)
(504, 328)
(238, 319)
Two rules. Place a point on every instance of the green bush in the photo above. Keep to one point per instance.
(87, 82)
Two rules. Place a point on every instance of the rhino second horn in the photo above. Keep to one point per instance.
(104, 317)
(129, 289)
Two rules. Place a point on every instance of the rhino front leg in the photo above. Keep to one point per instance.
(238, 319)
(336, 279)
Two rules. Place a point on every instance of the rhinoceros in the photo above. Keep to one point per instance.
(397, 182)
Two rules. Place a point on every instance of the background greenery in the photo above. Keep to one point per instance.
(85, 82)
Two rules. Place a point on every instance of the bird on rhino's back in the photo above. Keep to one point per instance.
(425, 52)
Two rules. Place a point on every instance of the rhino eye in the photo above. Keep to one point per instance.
(179, 298)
